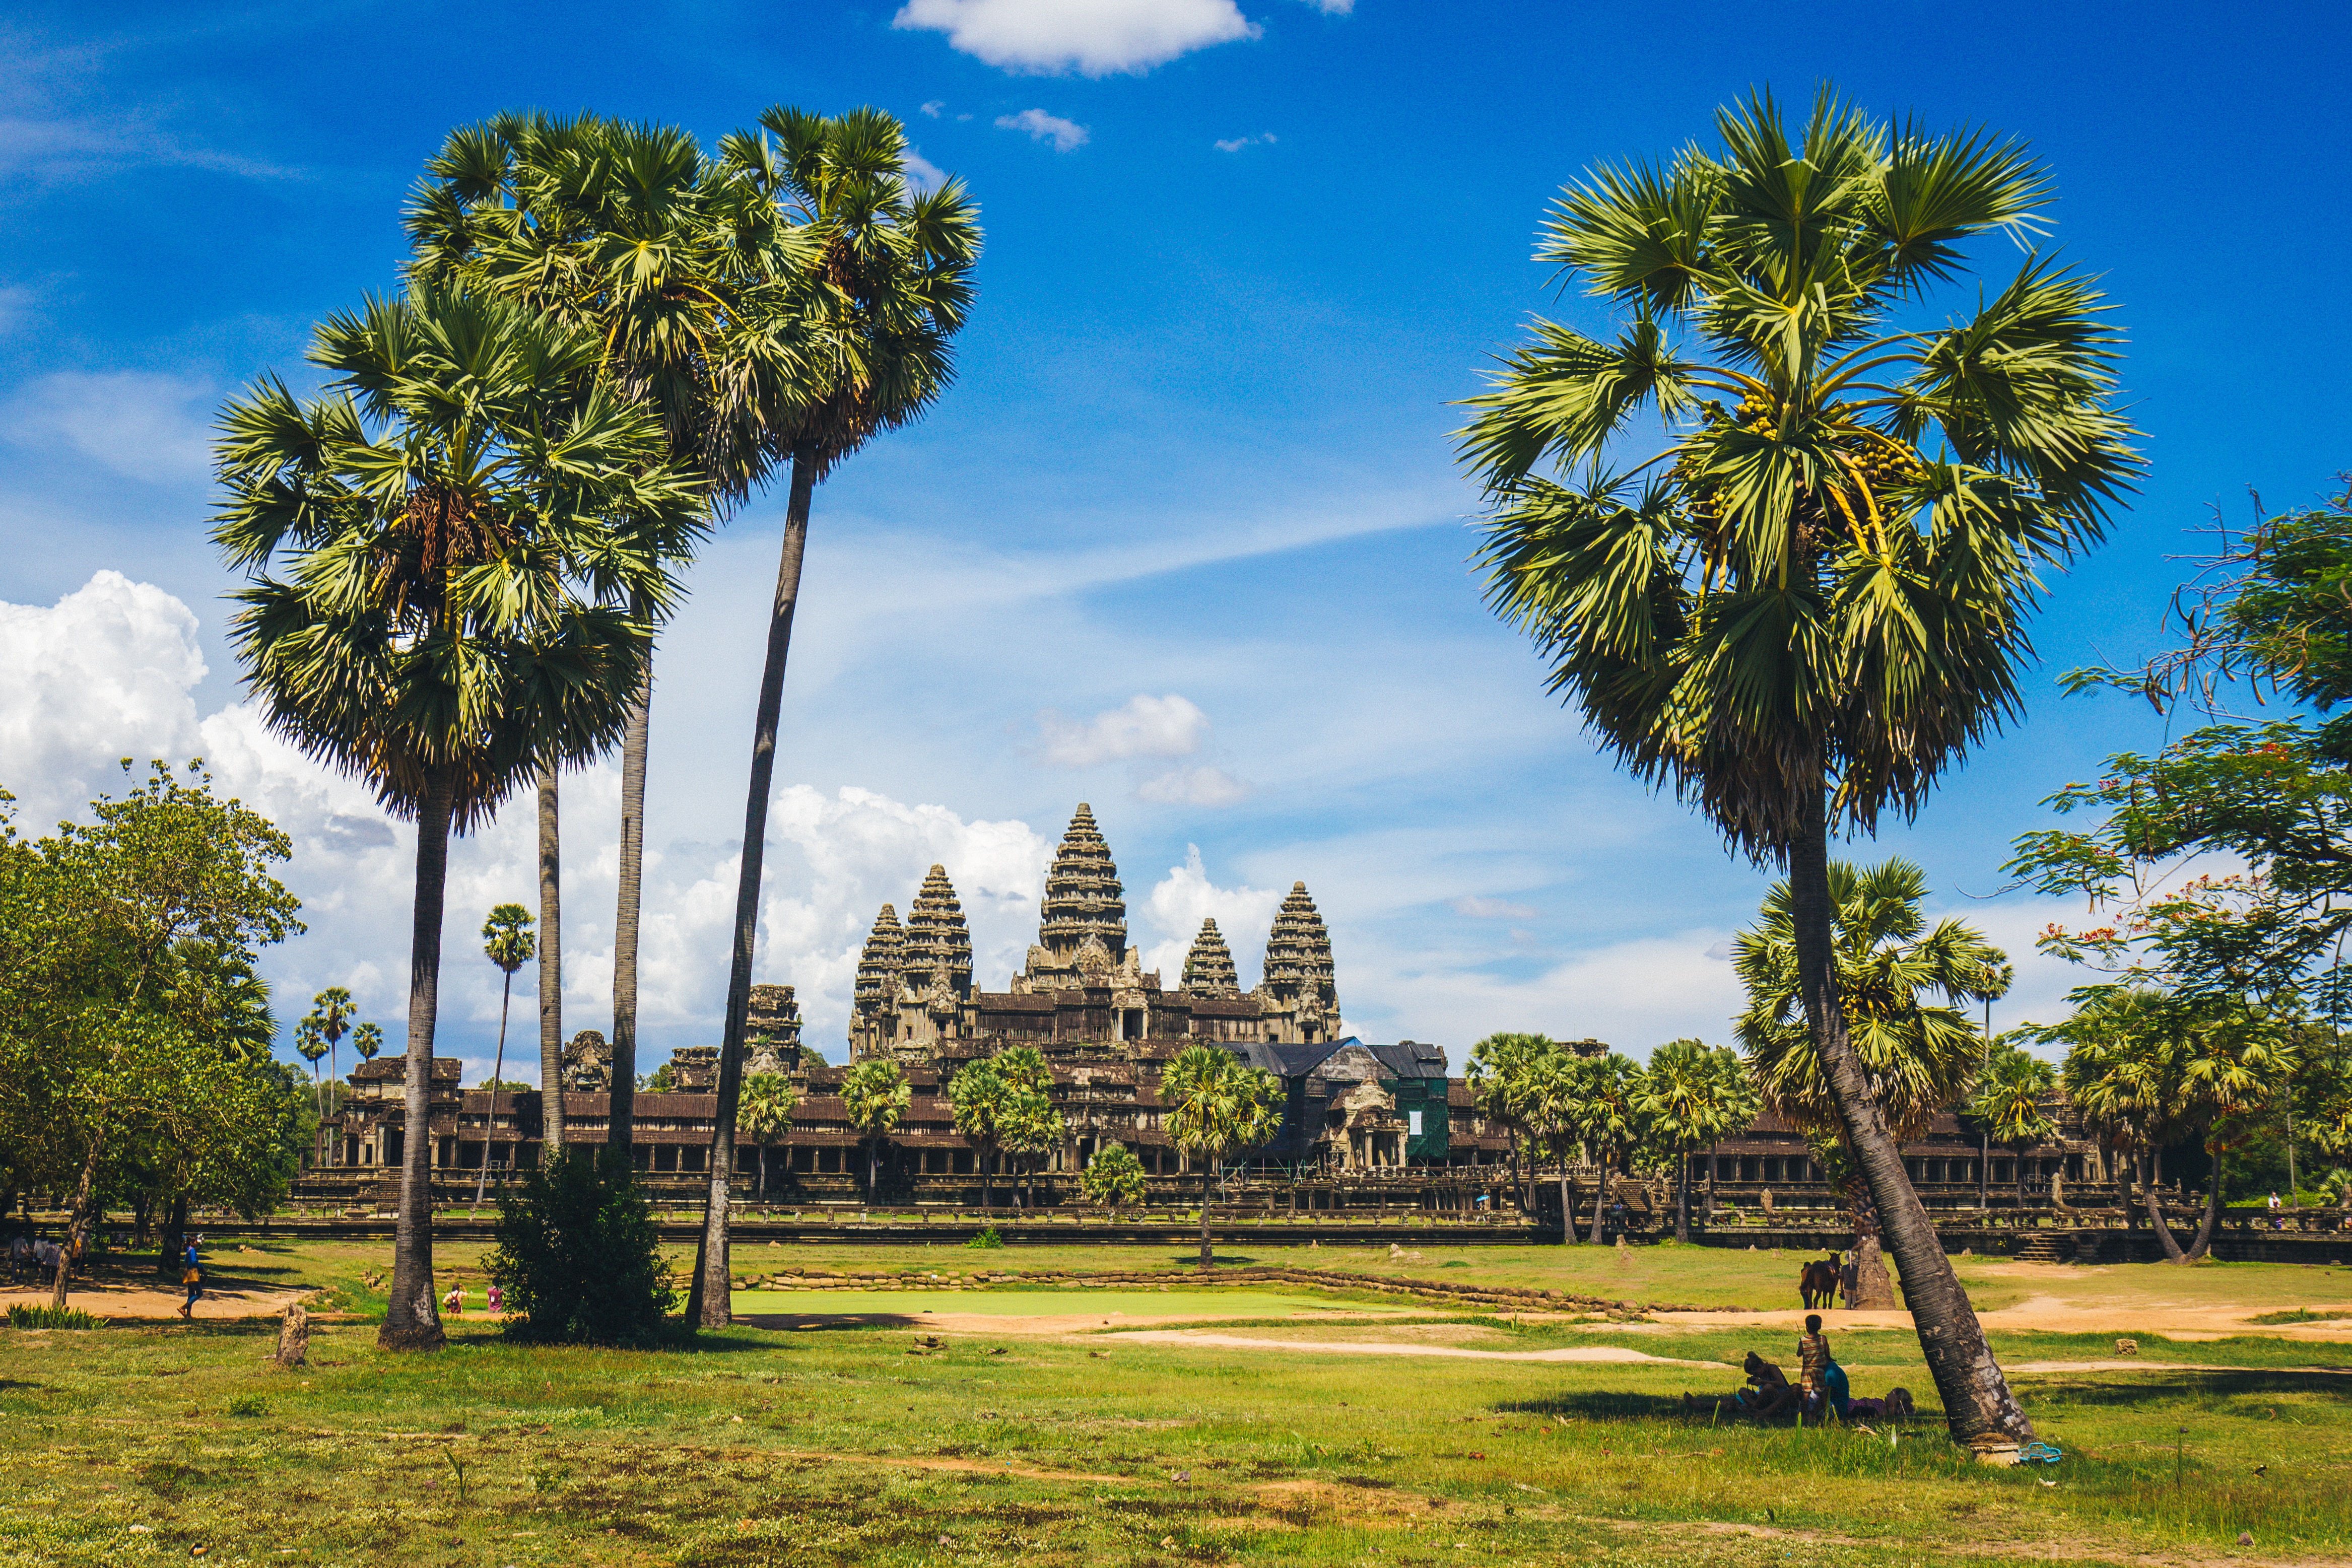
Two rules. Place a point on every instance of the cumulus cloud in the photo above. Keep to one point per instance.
(931, 109)
(1144, 725)
(1185, 898)
(1477, 908)
(921, 172)
(1192, 787)
(1067, 135)
(1094, 37)
(1238, 142)
(137, 422)
(1334, 8)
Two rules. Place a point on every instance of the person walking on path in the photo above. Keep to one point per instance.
(1813, 1361)
(192, 1275)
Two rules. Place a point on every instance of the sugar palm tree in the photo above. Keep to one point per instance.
(311, 1045)
(367, 1039)
(1216, 1105)
(332, 1008)
(447, 520)
(765, 1115)
(1694, 1096)
(1501, 1069)
(507, 942)
(1917, 1055)
(2010, 1104)
(876, 1096)
(1810, 599)
(868, 352)
(1546, 1095)
(981, 1098)
(1605, 1111)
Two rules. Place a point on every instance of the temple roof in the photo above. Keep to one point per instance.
(937, 943)
(877, 966)
(1299, 952)
(1209, 968)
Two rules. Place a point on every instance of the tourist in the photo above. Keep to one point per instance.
(1812, 1357)
(1849, 1275)
(496, 1301)
(20, 1255)
(192, 1275)
(1895, 1406)
(454, 1303)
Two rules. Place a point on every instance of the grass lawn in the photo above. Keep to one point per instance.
(146, 1442)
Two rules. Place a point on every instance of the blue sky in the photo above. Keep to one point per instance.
(1187, 540)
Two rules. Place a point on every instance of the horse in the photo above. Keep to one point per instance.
(1818, 1283)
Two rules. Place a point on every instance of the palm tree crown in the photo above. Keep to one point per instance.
(1824, 569)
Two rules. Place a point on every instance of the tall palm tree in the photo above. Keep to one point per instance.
(980, 1099)
(1547, 1096)
(311, 1045)
(1501, 1069)
(2009, 1104)
(449, 518)
(367, 1039)
(1605, 1111)
(626, 231)
(507, 942)
(876, 1096)
(1694, 1096)
(1917, 1057)
(333, 1009)
(868, 352)
(766, 1114)
(1217, 1104)
(1815, 602)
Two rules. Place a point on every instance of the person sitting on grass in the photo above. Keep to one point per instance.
(1812, 1356)
(1767, 1394)
(1895, 1406)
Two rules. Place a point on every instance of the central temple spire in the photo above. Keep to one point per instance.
(1083, 896)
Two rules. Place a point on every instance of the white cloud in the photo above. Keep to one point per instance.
(921, 172)
(1185, 898)
(1193, 787)
(1238, 142)
(136, 422)
(931, 110)
(1477, 908)
(16, 306)
(1334, 8)
(1094, 37)
(1067, 135)
(1145, 725)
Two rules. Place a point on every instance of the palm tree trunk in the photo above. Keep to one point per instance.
(762, 1189)
(497, 1071)
(1567, 1206)
(412, 1320)
(1979, 1409)
(1208, 1189)
(1601, 1195)
(551, 970)
(1682, 1200)
(707, 1301)
(621, 1128)
(2171, 1244)
(2204, 1244)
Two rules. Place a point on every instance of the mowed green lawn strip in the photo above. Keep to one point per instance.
(1008, 1301)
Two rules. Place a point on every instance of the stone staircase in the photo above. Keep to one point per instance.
(2045, 1247)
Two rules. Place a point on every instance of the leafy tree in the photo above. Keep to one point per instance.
(1815, 601)
(766, 1114)
(507, 940)
(1916, 1057)
(1114, 1179)
(2009, 1104)
(578, 1257)
(886, 291)
(1216, 1105)
(876, 1096)
(455, 516)
(132, 1033)
(981, 1098)
(1501, 1069)
(1694, 1096)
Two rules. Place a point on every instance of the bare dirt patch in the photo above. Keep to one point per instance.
(1271, 1340)
(125, 1303)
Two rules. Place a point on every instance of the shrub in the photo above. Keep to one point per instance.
(24, 1317)
(579, 1257)
(1114, 1178)
(987, 1239)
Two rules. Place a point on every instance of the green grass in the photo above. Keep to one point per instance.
(837, 1446)
(1018, 1304)
(44, 1317)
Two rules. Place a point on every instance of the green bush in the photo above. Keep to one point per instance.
(579, 1257)
(987, 1239)
(24, 1317)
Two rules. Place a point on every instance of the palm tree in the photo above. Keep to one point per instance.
(629, 231)
(868, 352)
(507, 943)
(766, 1114)
(876, 1096)
(367, 1039)
(1545, 1095)
(1216, 1104)
(979, 1097)
(1694, 1095)
(332, 1008)
(1114, 1179)
(311, 1044)
(2009, 1103)
(1602, 1109)
(1815, 602)
(1501, 1067)
(1916, 1058)
(446, 517)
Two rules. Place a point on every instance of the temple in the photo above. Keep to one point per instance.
(1358, 1118)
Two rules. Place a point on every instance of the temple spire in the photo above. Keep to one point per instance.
(1082, 896)
(938, 950)
(1299, 986)
(1209, 968)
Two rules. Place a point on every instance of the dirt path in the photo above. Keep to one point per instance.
(1042, 1325)
(2060, 1314)
(123, 1302)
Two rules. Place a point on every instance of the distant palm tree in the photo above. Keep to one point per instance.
(2009, 1103)
(311, 1044)
(509, 944)
(1216, 1105)
(367, 1039)
(1917, 1055)
(1815, 602)
(1694, 1096)
(1602, 1109)
(1114, 1179)
(445, 515)
(868, 351)
(981, 1098)
(766, 1114)
(876, 1096)
(332, 1008)
(1501, 1081)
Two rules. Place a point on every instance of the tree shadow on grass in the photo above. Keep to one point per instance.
(1604, 1404)
(2179, 1385)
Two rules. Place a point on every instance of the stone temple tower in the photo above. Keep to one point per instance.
(873, 1016)
(1082, 937)
(935, 966)
(1209, 968)
(1300, 997)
